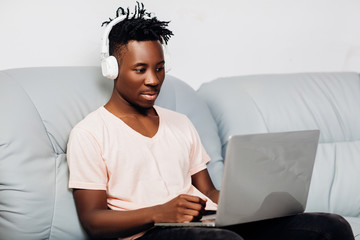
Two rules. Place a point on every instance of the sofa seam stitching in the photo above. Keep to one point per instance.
(333, 178)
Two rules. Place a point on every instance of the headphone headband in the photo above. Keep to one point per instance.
(105, 39)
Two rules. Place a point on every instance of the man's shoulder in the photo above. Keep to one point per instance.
(92, 121)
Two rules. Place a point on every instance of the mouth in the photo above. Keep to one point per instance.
(150, 96)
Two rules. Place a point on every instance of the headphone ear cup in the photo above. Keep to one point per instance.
(109, 67)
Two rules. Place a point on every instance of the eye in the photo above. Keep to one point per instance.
(139, 70)
(159, 69)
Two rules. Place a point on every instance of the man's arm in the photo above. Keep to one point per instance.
(99, 221)
(203, 183)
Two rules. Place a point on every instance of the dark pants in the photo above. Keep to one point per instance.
(319, 226)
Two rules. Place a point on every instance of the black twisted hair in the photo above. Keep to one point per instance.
(138, 26)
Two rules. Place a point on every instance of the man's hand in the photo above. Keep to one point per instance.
(184, 208)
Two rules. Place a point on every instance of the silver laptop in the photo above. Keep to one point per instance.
(265, 176)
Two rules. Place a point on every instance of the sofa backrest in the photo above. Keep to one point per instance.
(286, 102)
(38, 108)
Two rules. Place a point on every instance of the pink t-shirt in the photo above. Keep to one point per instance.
(136, 171)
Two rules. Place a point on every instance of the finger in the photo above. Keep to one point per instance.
(185, 204)
(194, 199)
(196, 216)
(191, 215)
(191, 212)
(187, 218)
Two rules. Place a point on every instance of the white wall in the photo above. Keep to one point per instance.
(212, 38)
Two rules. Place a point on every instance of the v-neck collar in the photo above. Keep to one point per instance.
(130, 129)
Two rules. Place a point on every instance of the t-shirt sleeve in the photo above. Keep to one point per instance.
(198, 156)
(86, 164)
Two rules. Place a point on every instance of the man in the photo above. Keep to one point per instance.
(133, 164)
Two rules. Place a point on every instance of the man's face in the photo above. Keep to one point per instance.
(141, 73)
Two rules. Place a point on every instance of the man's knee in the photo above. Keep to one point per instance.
(334, 226)
(220, 234)
(194, 233)
(211, 234)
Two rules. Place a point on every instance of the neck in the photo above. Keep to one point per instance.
(120, 107)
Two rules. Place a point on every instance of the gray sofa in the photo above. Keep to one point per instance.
(39, 107)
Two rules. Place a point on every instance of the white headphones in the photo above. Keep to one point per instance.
(109, 64)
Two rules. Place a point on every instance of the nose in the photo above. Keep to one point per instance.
(152, 79)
